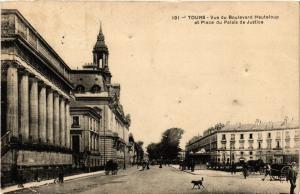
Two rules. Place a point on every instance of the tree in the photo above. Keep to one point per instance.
(153, 150)
(170, 143)
(168, 147)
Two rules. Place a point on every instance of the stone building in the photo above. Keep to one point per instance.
(276, 142)
(93, 88)
(85, 136)
(35, 99)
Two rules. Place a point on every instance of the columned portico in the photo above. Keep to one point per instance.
(33, 118)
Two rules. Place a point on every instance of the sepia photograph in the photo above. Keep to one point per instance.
(150, 97)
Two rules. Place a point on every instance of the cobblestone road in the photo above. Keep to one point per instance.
(165, 180)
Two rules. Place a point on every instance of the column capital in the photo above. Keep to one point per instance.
(41, 83)
(55, 93)
(24, 71)
(32, 77)
(67, 101)
(49, 88)
(12, 64)
(62, 97)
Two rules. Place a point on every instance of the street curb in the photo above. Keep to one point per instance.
(46, 182)
(183, 170)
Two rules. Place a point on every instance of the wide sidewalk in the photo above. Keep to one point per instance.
(50, 181)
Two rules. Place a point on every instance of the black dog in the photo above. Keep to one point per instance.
(198, 183)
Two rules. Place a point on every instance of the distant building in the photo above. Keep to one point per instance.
(85, 135)
(276, 142)
(93, 88)
(35, 101)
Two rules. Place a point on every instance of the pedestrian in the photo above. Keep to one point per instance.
(234, 168)
(268, 172)
(115, 168)
(16, 176)
(61, 175)
(245, 170)
(192, 165)
(108, 167)
(292, 177)
(20, 179)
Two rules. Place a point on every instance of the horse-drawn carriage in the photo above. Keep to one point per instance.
(279, 171)
(256, 166)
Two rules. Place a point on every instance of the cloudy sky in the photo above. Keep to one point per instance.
(179, 74)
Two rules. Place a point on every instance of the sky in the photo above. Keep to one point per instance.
(174, 73)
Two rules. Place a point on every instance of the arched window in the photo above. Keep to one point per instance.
(79, 89)
(96, 89)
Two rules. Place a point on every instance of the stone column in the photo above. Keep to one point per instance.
(56, 119)
(42, 112)
(12, 99)
(62, 128)
(49, 126)
(24, 104)
(68, 125)
(92, 141)
(33, 109)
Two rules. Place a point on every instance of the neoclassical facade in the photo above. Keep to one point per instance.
(276, 142)
(85, 136)
(93, 88)
(35, 98)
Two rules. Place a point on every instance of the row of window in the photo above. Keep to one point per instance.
(278, 135)
(81, 89)
(92, 123)
(269, 145)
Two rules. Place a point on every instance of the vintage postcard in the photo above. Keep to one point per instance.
(149, 97)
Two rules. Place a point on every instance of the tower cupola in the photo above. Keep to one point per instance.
(100, 51)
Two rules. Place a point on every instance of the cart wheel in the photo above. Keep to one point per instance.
(284, 172)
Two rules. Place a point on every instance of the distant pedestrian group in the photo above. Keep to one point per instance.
(111, 166)
(144, 165)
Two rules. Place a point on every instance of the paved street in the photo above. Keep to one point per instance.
(165, 180)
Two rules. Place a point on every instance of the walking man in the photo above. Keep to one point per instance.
(268, 171)
(245, 170)
(233, 168)
(292, 177)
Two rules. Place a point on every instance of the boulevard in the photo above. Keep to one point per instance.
(168, 179)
